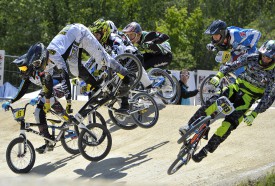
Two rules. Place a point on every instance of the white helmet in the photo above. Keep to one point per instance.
(112, 26)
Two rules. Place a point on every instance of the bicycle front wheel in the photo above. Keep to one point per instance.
(144, 110)
(182, 159)
(20, 159)
(163, 83)
(96, 144)
(177, 97)
(207, 90)
(133, 65)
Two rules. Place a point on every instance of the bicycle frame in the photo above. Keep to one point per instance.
(19, 116)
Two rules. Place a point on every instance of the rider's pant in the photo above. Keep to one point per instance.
(156, 60)
(242, 102)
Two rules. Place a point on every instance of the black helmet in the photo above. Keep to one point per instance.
(268, 49)
(217, 27)
(37, 56)
(132, 27)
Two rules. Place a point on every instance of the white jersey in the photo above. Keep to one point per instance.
(65, 48)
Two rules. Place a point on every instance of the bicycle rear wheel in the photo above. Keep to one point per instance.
(163, 82)
(144, 110)
(19, 160)
(97, 146)
(69, 140)
(121, 120)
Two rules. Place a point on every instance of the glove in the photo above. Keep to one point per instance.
(75, 81)
(211, 47)
(69, 109)
(6, 105)
(47, 107)
(148, 44)
(215, 81)
(250, 118)
(34, 101)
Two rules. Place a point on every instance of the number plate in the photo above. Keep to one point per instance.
(19, 113)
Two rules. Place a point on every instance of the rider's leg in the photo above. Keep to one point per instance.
(242, 103)
(156, 60)
(40, 117)
(204, 110)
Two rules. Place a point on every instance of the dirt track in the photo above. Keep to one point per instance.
(142, 156)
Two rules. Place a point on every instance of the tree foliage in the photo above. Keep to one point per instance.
(24, 22)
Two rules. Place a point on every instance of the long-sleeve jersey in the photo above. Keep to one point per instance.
(39, 79)
(160, 43)
(257, 81)
(65, 48)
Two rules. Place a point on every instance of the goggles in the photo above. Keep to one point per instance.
(37, 63)
(23, 68)
(131, 35)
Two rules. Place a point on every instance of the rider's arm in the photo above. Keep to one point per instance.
(160, 38)
(242, 61)
(24, 85)
(267, 99)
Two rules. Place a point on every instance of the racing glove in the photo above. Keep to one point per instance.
(211, 47)
(34, 101)
(250, 118)
(69, 109)
(47, 107)
(6, 105)
(215, 81)
(75, 81)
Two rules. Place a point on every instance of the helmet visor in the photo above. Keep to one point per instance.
(131, 35)
(23, 68)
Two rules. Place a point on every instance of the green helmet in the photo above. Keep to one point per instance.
(102, 27)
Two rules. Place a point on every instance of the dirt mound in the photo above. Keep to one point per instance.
(142, 156)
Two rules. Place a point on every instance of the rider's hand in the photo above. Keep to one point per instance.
(34, 101)
(211, 47)
(215, 81)
(250, 118)
(148, 44)
(75, 81)
(69, 109)
(6, 105)
(47, 107)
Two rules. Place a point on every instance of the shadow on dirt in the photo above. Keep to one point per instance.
(113, 168)
(47, 168)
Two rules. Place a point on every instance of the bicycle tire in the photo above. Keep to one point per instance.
(132, 64)
(166, 91)
(177, 97)
(178, 163)
(206, 89)
(148, 116)
(84, 142)
(70, 137)
(122, 121)
(94, 117)
(9, 153)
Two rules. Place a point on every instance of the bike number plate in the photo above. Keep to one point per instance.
(19, 113)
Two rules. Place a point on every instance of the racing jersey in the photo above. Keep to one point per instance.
(257, 81)
(160, 43)
(66, 44)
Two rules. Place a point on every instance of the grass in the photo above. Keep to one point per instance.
(267, 180)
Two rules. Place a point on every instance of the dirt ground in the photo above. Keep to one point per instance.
(142, 156)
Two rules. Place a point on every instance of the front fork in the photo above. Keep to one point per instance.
(78, 121)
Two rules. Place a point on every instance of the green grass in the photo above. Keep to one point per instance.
(267, 180)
